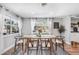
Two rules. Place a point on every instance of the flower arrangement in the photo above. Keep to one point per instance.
(39, 32)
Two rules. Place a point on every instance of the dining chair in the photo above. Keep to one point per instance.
(32, 43)
(59, 41)
(18, 43)
(47, 44)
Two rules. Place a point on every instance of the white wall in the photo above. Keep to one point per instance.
(55, 31)
(26, 28)
(7, 41)
(67, 24)
(1, 41)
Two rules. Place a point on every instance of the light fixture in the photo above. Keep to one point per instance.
(43, 4)
(1, 6)
(17, 15)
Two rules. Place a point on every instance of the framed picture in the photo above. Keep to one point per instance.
(56, 25)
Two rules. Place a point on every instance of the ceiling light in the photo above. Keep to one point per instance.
(43, 4)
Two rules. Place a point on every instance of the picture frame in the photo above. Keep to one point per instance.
(56, 25)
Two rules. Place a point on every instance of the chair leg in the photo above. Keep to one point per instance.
(37, 47)
(28, 47)
(15, 49)
(22, 48)
(51, 46)
(28, 51)
(45, 43)
(53, 49)
(56, 46)
(50, 50)
(32, 43)
(41, 49)
(63, 46)
(25, 47)
(37, 50)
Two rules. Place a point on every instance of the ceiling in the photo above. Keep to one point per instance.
(49, 10)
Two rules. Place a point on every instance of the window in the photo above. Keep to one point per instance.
(10, 26)
(15, 28)
(41, 24)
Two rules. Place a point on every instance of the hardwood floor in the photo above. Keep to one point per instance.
(72, 50)
(68, 48)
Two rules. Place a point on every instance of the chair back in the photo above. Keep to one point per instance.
(17, 38)
(60, 38)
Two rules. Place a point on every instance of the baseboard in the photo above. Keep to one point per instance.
(6, 49)
(68, 43)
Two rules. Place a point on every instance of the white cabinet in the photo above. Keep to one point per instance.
(7, 42)
(75, 37)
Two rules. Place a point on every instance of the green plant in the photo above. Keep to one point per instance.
(61, 29)
(78, 23)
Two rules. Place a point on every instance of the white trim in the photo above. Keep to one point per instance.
(68, 43)
(7, 49)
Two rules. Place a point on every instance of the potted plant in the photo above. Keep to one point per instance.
(61, 30)
(78, 24)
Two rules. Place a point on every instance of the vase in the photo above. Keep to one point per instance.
(39, 34)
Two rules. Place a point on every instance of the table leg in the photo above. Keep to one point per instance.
(51, 47)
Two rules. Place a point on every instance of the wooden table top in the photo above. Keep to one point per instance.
(36, 37)
(42, 36)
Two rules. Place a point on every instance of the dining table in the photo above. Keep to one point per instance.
(26, 38)
(35, 37)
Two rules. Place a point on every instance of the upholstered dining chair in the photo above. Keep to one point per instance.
(59, 41)
(18, 43)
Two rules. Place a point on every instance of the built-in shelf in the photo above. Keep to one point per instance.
(74, 32)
